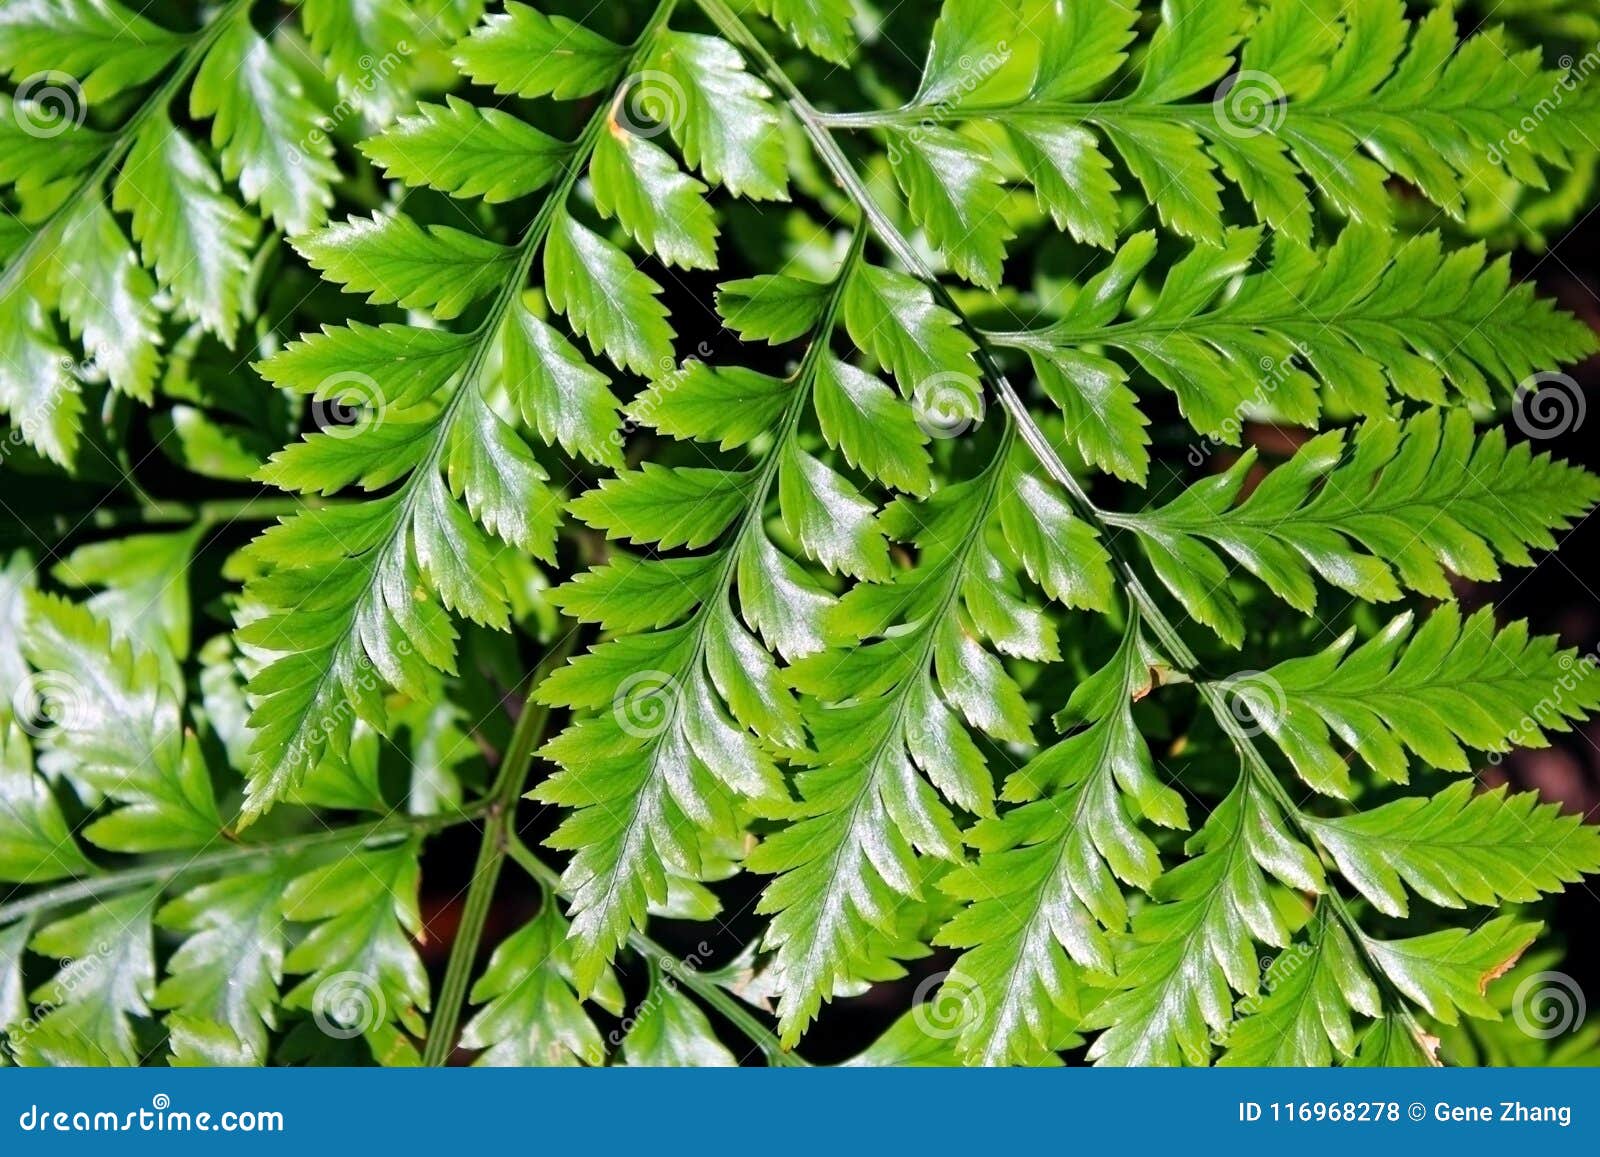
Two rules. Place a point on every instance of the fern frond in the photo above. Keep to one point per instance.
(190, 230)
(1458, 848)
(1303, 1015)
(1043, 899)
(1296, 98)
(221, 988)
(1195, 947)
(1392, 507)
(1449, 685)
(1343, 330)
(1448, 972)
(531, 1015)
(890, 704)
(112, 726)
(671, 1031)
(105, 982)
(340, 621)
(692, 706)
(367, 49)
(824, 27)
(362, 974)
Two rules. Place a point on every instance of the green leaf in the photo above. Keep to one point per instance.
(1302, 1016)
(1405, 500)
(139, 596)
(391, 258)
(37, 386)
(1459, 848)
(824, 27)
(670, 506)
(338, 363)
(221, 990)
(1335, 102)
(726, 404)
(1345, 329)
(35, 843)
(1448, 972)
(1195, 947)
(109, 302)
(875, 431)
(107, 47)
(954, 193)
(1450, 684)
(660, 206)
(893, 318)
(1043, 902)
(886, 707)
(265, 127)
(16, 579)
(107, 978)
(531, 1016)
(361, 971)
(670, 1031)
(366, 46)
(773, 307)
(189, 229)
(525, 52)
(556, 392)
(113, 727)
(718, 114)
(466, 151)
(606, 299)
